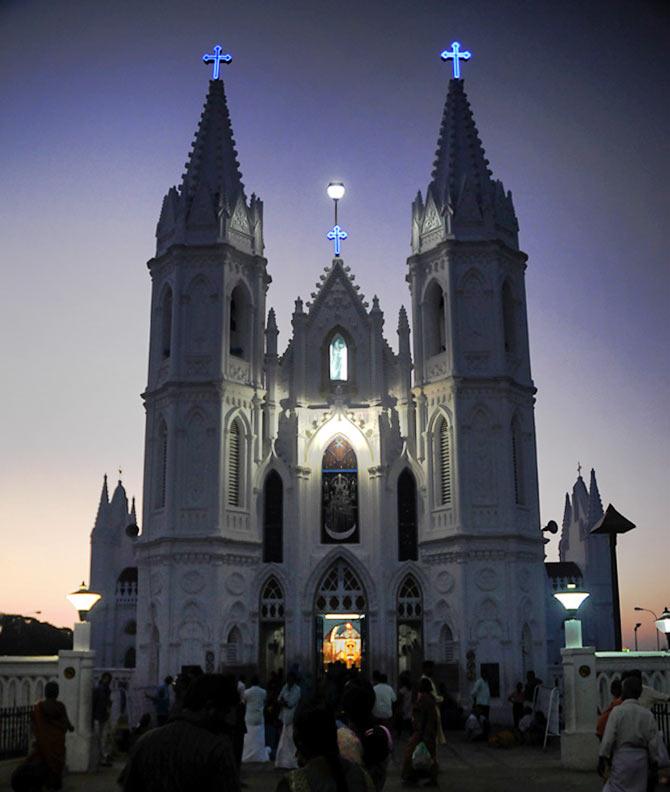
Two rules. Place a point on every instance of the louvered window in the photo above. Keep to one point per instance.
(166, 320)
(445, 464)
(162, 465)
(234, 441)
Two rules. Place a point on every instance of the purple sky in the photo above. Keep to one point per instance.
(99, 105)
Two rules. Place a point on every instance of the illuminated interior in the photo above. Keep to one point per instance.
(342, 641)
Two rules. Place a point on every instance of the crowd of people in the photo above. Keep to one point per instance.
(339, 734)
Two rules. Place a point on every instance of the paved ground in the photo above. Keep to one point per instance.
(465, 767)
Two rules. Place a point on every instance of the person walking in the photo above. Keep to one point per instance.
(255, 749)
(425, 722)
(405, 703)
(193, 751)
(481, 700)
(322, 769)
(100, 711)
(428, 668)
(162, 701)
(288, 701)
(629, 749)
(46, 761)
(385, 698)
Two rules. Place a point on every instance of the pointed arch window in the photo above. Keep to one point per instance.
(240, 322)
(435, 325)
(161, 467)
(339, 493)
(340, 591)
(166, 323)
(235, 463)
(338, 356)
(443, 462)
(407, 517)
(509, 319)
(517, 462)
(273, 518)
(410, 625)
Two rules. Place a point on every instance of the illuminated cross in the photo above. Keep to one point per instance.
(217, 58)
(456, 55)
(336, 235)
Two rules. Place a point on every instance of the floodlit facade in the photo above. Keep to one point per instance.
(345, 498)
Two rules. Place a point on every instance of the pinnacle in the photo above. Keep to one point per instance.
(213, 159)
(459, 154)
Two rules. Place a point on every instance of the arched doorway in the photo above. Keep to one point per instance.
(341, 629)
(410, 626)
(272, 629)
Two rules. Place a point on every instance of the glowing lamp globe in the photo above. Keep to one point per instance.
(335, 190)
(571, 598)
(663, 623)
(83, 600)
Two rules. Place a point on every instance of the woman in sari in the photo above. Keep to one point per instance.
(425, 730)
(50, 724)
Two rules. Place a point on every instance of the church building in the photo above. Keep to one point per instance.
(344, 496)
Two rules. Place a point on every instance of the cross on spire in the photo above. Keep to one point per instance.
(579, 469)
(337, 234)
(456, 55)
(217, 59)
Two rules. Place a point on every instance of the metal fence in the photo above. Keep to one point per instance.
(662, 715)
(14, 731)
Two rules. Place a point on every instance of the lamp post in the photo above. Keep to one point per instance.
(655, 615)
(663, 625)
(571, 598)
(335, 190)
(83, 600)
(635, 629)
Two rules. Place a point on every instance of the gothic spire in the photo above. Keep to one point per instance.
(462, 200)
(595, 504)
(103, 507)
(567, 512)
(210, 205)
(213, 161)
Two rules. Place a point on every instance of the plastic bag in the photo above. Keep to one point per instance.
(421, 757)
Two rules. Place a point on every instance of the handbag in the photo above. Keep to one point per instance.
(422, 758)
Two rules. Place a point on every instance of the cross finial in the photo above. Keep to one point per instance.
(336, 234)
(456, 55)
(217, 59)
(579, 469)
(120, 473)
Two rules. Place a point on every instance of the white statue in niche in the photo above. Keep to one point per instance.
(338, 359)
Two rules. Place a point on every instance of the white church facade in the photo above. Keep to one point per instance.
(351, 497)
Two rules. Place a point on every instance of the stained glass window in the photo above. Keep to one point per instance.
(338, 359)
(339, 493)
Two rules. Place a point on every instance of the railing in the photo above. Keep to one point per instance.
(654, 666)
(126, 593)
(14, 731)
(22, 679)
(662, 715)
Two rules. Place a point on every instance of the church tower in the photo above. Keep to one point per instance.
(475, 429)
(203, 403)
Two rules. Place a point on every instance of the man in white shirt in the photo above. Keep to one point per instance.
(385, 698)
(630, 743)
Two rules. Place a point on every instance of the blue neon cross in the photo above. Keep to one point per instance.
(217, 58)
(456, 55)
(336, 235)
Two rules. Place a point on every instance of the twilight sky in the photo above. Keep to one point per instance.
(99, 103)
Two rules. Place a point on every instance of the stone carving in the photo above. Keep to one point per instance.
(235, 583)
(444, 582)
(192, 582)
(524, 579)
(156, 583)
(487, 579)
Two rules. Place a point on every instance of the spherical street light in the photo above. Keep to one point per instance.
(335, 190)
(663, 625)
(83, 600)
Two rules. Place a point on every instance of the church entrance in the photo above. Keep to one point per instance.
(341, 626)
